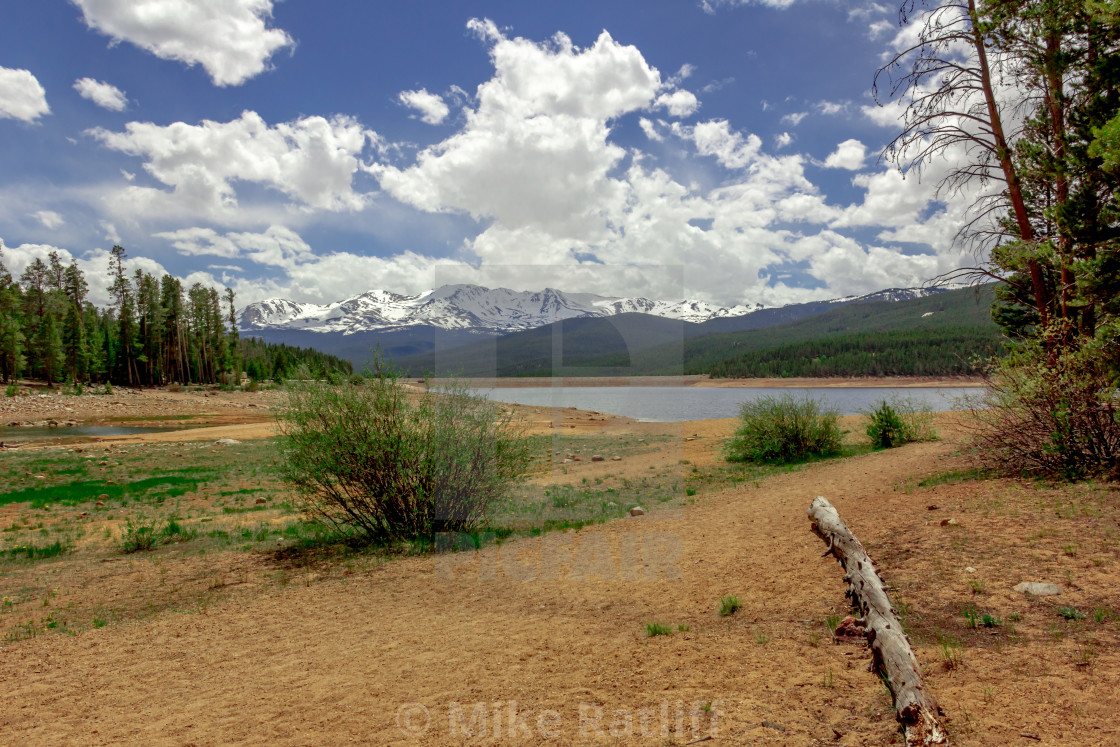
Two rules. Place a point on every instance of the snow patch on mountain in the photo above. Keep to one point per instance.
(498, 310)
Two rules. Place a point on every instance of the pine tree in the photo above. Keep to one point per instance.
(74, 328)
(121, 291)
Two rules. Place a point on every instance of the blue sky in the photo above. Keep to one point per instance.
(720, 150)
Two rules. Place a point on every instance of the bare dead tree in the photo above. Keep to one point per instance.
(948, 78)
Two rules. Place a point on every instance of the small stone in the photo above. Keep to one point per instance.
(1038, 589)
(637, 511)
(851, 630)
(616, 459)
(970, 569)
(259, 501)
(596, 458)
(949, 522)
(103, 497)
(100, 504)
(566, 461)
(932, 507)
(227, 441)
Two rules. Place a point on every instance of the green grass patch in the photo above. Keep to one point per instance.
(34, 552)
(729, 606)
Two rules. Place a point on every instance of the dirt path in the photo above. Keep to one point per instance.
(339, 660)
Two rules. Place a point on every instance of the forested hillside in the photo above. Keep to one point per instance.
(154, 332)
(938, 335)
(951, 351)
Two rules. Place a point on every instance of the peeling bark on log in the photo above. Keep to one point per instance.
(916, 709)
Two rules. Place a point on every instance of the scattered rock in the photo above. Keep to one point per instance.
(566, 461)
(970, 569)
(1038, 589)
(596, 458)
(259, 501)
(637, 511)
(103, 497)
(616, 459)
(949, 522)
(850, 630)
(227, 441)
(100, 504)
(932, 507)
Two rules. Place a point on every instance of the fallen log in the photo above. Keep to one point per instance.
(916, 709)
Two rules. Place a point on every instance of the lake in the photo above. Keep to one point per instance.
(673, 404)
(60, 434)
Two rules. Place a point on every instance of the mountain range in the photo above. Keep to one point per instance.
(494, 311)
(451, 307)
(416, 329)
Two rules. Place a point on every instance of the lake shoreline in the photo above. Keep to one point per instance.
(703, 380)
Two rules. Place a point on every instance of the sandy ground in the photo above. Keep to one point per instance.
(544, 640)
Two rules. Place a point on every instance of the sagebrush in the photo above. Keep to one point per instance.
(784, 429)
(385, 463)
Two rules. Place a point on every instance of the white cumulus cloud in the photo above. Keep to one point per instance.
(21, 96)
(103, 94)
(231, 39)
(679, 103)
(849, 154)
(716, 138)
(431, 106)
(307, 276)
(312, 160)
(535, 149)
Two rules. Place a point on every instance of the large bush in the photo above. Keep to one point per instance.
(387, 463)
(784, 429)
(1052, 414)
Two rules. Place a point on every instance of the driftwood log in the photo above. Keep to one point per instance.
(916, 709)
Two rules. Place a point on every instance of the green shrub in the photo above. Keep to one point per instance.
(729, 606)
(784, 429)
(386, 464)
(655, 629)
(885, 427)
(896, 422)
(12, 389)
(139, 536)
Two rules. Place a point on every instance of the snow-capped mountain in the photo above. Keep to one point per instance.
(465, 307)
(498, 310)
